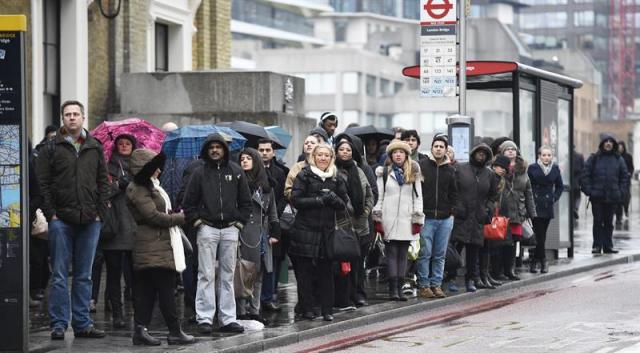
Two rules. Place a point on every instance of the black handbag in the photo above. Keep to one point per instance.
(343, 243)
(453, 260)
(110, 225)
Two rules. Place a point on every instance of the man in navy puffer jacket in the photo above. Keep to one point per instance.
(606, 181)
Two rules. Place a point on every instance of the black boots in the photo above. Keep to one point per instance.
(494, 282)
(483, 280)
(116, 314)
(141, 336)
(533, 266)
(177, 336)
(508, 261)
(544, 266)
(393, 288)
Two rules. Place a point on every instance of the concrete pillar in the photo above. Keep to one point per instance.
(37, 122)
(74, 52)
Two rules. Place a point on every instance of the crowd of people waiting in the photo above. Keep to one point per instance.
(248, 207)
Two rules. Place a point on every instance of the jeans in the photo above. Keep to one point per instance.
(71, 243)
(434, 238)
(220, 244)
(603, 224)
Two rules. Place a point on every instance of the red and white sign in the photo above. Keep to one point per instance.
(437, 12)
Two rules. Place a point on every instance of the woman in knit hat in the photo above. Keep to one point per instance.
(154, 262)
(398, 214)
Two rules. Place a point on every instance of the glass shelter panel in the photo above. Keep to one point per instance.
(527, 133)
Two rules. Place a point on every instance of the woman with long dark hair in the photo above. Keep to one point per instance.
(261, 231)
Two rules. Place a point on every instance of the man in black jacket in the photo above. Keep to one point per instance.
(73, 179)
(217, 203)
(439, 197)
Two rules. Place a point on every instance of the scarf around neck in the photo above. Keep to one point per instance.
(324, 175)
(163, 194)
(399, 173)
(545, 169)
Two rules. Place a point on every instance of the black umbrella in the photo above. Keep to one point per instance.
(252, 132)
(371, 132)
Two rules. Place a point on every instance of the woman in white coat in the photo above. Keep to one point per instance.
(398, 214)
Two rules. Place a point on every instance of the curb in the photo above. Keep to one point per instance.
(264, 340)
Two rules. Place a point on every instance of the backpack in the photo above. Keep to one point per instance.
(385, 176)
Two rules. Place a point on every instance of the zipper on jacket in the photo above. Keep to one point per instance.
(220, 195)
(435, 211)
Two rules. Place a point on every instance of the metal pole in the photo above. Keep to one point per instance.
(462, 101)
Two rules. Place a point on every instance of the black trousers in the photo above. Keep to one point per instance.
(38, 265)
(152, 283)
(315, 280)
(540, 226)
(397, 254)
(117, 261)
(96, 274)
(603, 224)
(472, 260)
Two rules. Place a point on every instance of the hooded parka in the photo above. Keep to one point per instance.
(518, 196)
(605, 178)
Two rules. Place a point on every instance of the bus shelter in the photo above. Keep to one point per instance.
(534, 107)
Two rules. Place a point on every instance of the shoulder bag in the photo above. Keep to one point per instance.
(497, 229)
(343, 244)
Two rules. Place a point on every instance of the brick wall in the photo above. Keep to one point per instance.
(98, 65)
(220, 49)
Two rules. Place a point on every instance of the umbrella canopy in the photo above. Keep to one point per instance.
(186, 142)
(253, 133)
(282, 135)
(370, 132)
(148, 136)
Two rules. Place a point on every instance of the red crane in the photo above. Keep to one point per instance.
(622, 57)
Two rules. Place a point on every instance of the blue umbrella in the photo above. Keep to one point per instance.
(186, 142)
(282, 135)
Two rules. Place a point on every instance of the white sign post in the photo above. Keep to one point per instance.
(438, 54)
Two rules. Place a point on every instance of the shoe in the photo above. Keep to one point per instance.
(89, 332)
(309, 315)
(57, 334)
(407, 289)
(493, 281)
(610, 251)
(596, 250)
(453, 287)
(361, 303)
(512, 276)
(470, 286)
(533, 266)
(92, 306)
(142, 337)
(271, 306)
(544, 266)
(327, 317)
(426, 292)
(178, 337)
(437, 292)
(484, 280)
(233, 327)
(401, 296)
(393, 289)
(500, 278)
(204, 328)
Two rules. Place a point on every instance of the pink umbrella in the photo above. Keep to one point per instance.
(148, 136)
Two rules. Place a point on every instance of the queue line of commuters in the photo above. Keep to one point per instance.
(232, 206)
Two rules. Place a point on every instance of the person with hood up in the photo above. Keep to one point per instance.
(350, 288)
(261, 231)
(546, 182)
(398, 215)
(518, 199)
(217, 203)
(624, 205)
(321, 199)
(154, 262)
(605, 180)
(329, 122)
(117, 251)
(477, 194)
(439, 199)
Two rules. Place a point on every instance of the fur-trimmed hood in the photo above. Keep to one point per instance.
(144, 163)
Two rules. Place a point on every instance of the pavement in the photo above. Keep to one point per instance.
(285, 329)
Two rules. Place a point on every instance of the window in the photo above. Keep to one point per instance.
(385, 88)
(371, 86)
(403, 119)
(397, 87)
(348, 117)
(340, 31)
(527, 137)
(319, 83)
(350, 82)
(411, 9)
(544, 2)
(583, 19)
(383, 120)
(601, 20)
(162, 47)
(543, 20)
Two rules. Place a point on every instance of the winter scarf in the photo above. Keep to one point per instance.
(546, 169)
(354, 186)
(175, 232)
(399, 173)
(119, 165)
(331, 171)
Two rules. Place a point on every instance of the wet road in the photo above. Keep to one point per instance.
(595, 311)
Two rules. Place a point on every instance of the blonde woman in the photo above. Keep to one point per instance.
(398, 214)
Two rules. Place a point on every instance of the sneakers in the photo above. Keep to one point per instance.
(610, 251)
(89, 332)
(437, 292)
(452, 287)
(204, 328)
(425, 292)
(57, 334)
(233, 327)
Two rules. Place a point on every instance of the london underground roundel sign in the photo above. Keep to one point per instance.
(437, 12)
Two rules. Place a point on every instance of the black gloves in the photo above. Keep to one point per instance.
(123, 182)
(329, 198)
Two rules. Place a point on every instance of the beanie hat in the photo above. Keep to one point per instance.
(508, 144)
(328, 115)
(398, 144)
(442, 138)
(320, 131)
(502, 161)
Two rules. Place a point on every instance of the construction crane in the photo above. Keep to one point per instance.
(622, 57)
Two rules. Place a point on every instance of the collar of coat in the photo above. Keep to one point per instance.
(443, 161)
